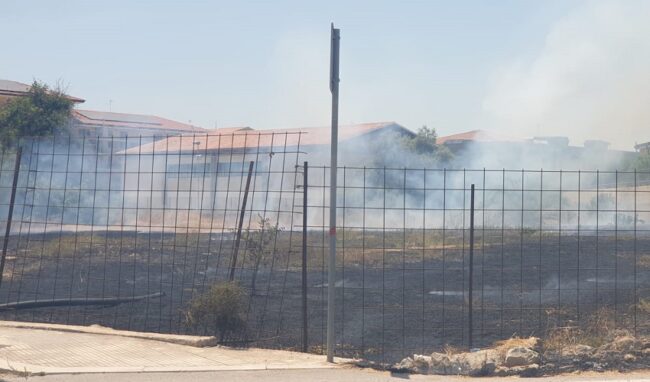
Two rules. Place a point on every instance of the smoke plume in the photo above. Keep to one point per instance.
(590, 80)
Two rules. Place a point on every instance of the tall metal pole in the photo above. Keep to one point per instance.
(10, 214)
(331, 269)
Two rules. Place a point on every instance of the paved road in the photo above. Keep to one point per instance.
(316, 375)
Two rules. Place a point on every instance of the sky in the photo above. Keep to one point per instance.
(554, 67)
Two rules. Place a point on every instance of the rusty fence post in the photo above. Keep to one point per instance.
(10, 214)
(240, 226)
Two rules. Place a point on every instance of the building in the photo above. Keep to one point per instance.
(102, 124)
(186, 166)
(643, 148)
(11, 89)
(485, 149)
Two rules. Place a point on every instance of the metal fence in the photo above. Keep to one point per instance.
(551, 249)
(125, 232)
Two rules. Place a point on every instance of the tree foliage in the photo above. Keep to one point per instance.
(425, 144)
(42, 112)
(641, 162)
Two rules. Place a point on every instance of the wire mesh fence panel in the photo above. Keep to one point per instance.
(131, 233)
(126, 231)
(552, 249)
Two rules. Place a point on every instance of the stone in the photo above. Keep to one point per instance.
(629, 358)
(531, 370)
(623, 344)
(479, 363)
(520, 356)
(406, 364)
(441, 364)
(578, 352)
(421, 363)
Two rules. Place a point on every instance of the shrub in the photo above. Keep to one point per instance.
(218, 311)
(42, 112)
(597, 329)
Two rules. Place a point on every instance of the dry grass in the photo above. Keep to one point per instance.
(644, 306)
(502, 346)
(597, 330)
(450, 350)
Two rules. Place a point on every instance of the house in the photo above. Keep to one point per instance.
(126, 130)
(187, 166)
(480, 149)
(93, 124)
(11, 89)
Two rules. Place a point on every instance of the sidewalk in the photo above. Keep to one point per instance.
(52, 349)
(74, 353)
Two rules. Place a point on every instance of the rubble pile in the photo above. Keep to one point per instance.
(529, 357)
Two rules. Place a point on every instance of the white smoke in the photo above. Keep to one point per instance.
(590, 80)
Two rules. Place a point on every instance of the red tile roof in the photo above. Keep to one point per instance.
(225, 139)
(19, 89)
(132, 121)
(475, 136)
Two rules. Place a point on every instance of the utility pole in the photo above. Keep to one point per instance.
(331, 269)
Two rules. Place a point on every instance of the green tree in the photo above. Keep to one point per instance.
(42, 112)
(424, 143)
(641, 162)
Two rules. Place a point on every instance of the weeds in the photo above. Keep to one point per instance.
(260, 244)
(598, 329)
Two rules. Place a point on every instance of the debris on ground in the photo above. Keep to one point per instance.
(529, 357)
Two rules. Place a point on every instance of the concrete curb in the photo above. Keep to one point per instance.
(36, 370)
(195, 341)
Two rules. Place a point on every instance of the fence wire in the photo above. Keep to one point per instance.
(126, 231)
(552, 249)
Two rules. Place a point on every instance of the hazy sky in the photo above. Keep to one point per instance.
(529, 67)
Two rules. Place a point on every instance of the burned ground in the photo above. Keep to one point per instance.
(398, 292)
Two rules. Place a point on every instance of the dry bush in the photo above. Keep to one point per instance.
(450, 350)
(644, 306)
(597, 330)
(219, 311)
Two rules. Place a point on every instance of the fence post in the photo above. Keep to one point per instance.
(305, 341)
(470, 319)
(10, 214)
(241, 222)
